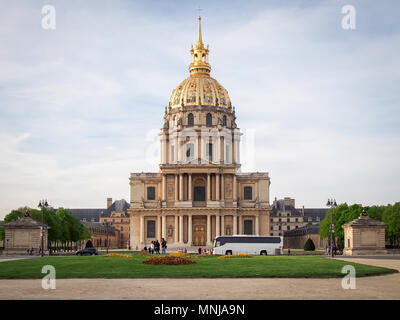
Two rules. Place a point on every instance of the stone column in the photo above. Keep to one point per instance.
(164, 227)
(176, 188)
(180, 187)
(158, 236)
(190, 238)
(164, 187)
(240, 225)
(176, 231)
(222, 225)
(257, 230)
(217, 229)
(208, 230)
(222, 186)
(142, 229)
(181, 229)
(234, 217)
(234, 188)
(217, 186)
(176, 149)
(190, 187)
(208, 187)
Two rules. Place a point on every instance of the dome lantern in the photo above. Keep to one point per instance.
(199, 89)
(199, 55)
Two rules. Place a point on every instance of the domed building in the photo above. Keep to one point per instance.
(199, 192)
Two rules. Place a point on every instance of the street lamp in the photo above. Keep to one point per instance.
(106, 224)
(42, 204)
(332, 204)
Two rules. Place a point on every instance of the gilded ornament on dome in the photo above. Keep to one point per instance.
(191, 96)
(208, 97)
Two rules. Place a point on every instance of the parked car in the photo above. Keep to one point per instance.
(87, 252)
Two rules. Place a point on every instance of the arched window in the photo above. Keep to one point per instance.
(190, 120)
(224, 121)
(209, 119)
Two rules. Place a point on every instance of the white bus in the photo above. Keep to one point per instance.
(248, 244)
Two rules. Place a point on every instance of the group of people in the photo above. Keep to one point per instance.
(155, 247)
(205, 251)
(336, 250)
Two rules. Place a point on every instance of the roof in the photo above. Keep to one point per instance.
(87, 214)
(315, 212)
(25, 222)
(281, 207)
(364, 221)
(99, 226)
(309, 229)
(117, 206)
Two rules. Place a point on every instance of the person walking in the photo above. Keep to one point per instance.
(157, 247)
(152, 247)
(164, 246)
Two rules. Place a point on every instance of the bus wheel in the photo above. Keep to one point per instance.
(263, 253)
(228, 253)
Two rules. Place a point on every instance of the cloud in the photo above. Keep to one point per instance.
(79, 105)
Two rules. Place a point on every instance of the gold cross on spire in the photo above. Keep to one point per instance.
(199, 11)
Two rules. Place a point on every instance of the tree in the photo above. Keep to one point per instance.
(391, 216)
(64, 226)
(309, 245)
(2, 233)
(89, 244)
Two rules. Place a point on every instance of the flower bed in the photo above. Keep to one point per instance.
(236, 256)
(169, 260)
(180, 254)
(117, 255)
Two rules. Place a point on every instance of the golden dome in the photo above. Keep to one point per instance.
(199, 88)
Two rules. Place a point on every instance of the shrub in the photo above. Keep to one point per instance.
(309, 245)
(169, 260)
(89, 244)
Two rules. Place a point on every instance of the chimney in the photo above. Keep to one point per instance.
(109, 202)
(302, 211)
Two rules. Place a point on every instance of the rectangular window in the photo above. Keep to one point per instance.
(248, 193)
(151, 229)
(189, 151)
(209, 151)
(248, 226)
(151, 193)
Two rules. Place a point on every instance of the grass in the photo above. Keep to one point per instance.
(205, 267)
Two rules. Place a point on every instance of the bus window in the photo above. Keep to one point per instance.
(217, 243)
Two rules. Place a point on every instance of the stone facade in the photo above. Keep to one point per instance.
(103, 236)
(296, 239)
(24, 234)
(285, 217)
(117, 216)
(199, 192)
(363, 236)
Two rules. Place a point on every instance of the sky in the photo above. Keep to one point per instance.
(81, 105)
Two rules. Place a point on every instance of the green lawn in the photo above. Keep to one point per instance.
(207, 267)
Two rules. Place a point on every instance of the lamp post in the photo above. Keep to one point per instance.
(106, 224)
(332, 204)
(42, 204)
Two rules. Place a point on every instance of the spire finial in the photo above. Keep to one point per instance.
(199, 62)
(199, 39)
